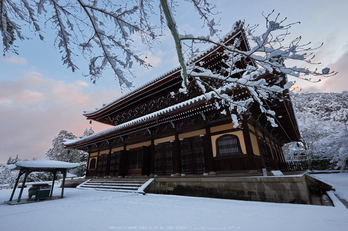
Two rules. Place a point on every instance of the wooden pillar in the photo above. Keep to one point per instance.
(248, 145)
(63, 184)
(153, 158)
(89, 172)
(173, 163)
(23, 184)
(97, 164)
(54, 178)
(259, 140)
(208, 151)
(16, 184)
(108, 160)
(177, 154)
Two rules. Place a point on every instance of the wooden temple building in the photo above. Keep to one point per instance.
(159, 133)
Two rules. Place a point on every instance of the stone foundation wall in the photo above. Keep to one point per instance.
(283, 189)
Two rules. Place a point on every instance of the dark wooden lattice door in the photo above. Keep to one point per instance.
(135, 161)
(102, 165)
(164, 158)
(91, 171)
(266, 154)
(146, 169)
(192, 155)
(114, 163)
(185, 156)
(123, 167)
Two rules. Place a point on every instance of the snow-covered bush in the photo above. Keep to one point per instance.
(322, 119)
(8, 176)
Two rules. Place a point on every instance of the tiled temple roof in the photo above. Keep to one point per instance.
(237, 28)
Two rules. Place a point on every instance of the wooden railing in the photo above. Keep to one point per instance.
(297, 165)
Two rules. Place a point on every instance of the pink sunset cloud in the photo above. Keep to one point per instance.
(34, 109)
(340, 81)
(336, 83)
(15, 60)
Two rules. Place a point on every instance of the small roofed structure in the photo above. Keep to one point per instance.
(45, 165)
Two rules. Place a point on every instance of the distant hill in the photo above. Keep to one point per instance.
(323, 123)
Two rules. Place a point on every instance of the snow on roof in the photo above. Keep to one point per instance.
(86, 113)
(10, 166)
(237, 26)
(141, 119)
(46, 164)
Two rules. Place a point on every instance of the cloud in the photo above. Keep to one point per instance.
(15, 60)
(155, 61)
(82, 83)
(339, 82)
(34, 109)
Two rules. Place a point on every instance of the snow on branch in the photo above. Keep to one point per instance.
(101, 29)
(206, 10)
(104, 31)
(255, 63)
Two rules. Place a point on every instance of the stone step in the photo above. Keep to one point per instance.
(116, 185)
(116, 182)
(115, 190)
(110, 187)
(113, 184)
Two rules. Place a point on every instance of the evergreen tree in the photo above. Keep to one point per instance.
(13, 161)
(10, 160)
(59, 152)
(8, 176)
(88, 132)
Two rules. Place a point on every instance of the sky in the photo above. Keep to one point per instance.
(39, 96)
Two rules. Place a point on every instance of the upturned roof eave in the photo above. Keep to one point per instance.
(144, 88)
(176, 109)
(163, 78)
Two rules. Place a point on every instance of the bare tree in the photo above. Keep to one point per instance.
(104, 31)
(268, 55)
(101, 29)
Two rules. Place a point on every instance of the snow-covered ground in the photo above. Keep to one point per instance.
(98, 210)
(339, 181)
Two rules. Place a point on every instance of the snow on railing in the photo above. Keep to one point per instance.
(80, 185)
(144, 186)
